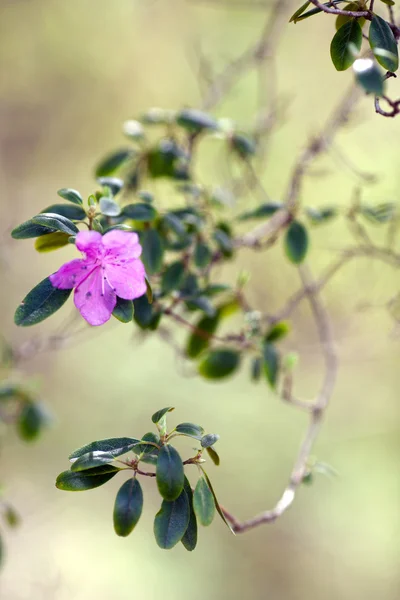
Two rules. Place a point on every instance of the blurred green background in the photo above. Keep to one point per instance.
(70, 74)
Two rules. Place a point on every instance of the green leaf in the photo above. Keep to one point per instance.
(163, 159)
(140, 212)
(156, 418)
(123, 310)
(299, 12)
(342, 19)
(112, 162)
(256, 368)
(114, 446)
(143, 312)
(74, 213)
(56, 222)
(382, 213)
(189, 540)
(201, 303)
(381, 38)
(31, 421)
(173, 277)
(300, 15)
(152, 251)
(69, 481)
(51, 241)
(190, 429)
(203, 502)
(218, 364)
(296, 242)
(70, 195)
(271, 363)
(321, 215)
(369, 76)
(91, 460)
(342, 53)
(148, 453)
(213, 454)
(128, 507)
(277, 331)
(262, 211)
(197, 341)
(169, 473)
(41, 302)
(243, 145)
(114, 184)
(217, 506)
(202, 255)
(224, 242)
(171, 522)
(209, 439)
(194, 120)
(109, 207)
(29, 229)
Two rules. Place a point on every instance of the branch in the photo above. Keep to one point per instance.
(317, 411)
(347, 13)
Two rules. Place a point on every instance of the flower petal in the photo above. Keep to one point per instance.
(127, 279)
(121, 244)
(89, 242)
(71, 274)
(94, 298)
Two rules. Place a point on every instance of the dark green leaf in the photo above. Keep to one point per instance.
(224, 242)
(201, 303)
(262, 211)
(218, 364)
(171, 521)
(128, 507)
(40, 303)
(148, 453)
(203, 502)
(56, 223)
(320, 215)
(296, 242)
(346, 40)
(140, 212)
(91, 460)
(123, 310)
(173, 276)
(112, 162)
(202, 255)
(74, 213)
(175, 224)
(277, 331)
(256, 368)
(209, 439)
(271, 363)
(383, 213)
(162, 160)
(156, 418)
(79, 482)
(109, 207)
(29, 229)
(143, 312)
(31, 421)
(189, 540)
(383, 44)
(369, 76)
(169, 473)
(199, 339)
(153, 251)
(243, 145)
(114, 184)
(342, 19)
(70, 195)
(300, 15)
(217, 506)
(52, 241)
(194, 120)
(213, 454)
(299, 12)
(190, 429)
(114, 446)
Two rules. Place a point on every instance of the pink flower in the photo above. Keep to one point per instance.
(110, 268)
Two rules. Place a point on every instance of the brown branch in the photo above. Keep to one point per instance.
(338, 11)
(317, 411)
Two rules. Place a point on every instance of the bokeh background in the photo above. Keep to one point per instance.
(70, 74)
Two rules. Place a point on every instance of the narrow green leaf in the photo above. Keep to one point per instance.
(41, 302)
(70, 195)
(218, 364)
(213, 454)
(69, 481)
(114, 446)
(203, 502)
(262, 211)
(169, 473)
(152, 251)
(296, 242)
(342, 54)
(123, 310)
(128, 507)
(217, 506)
(91, 460)
(189, 539)
(140, 212)
(256, 368)
(381, 38)
(209, 439)
(171, 522)
(271, 363)
(29, 229)
(299, 12)
(51, 241)
(112, 162)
